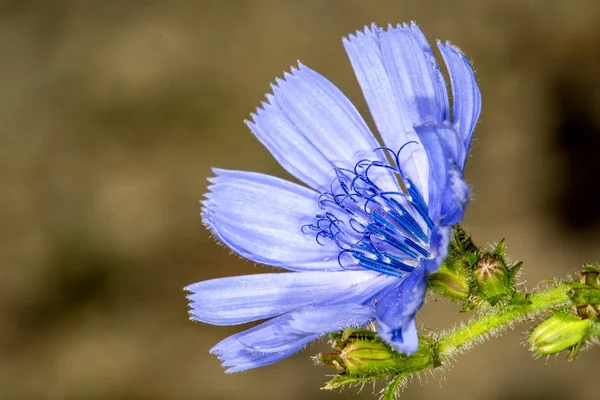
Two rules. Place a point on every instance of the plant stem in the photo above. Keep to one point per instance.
(475, 329)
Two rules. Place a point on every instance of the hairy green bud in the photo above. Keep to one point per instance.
(492, 278)
(453, 279)
(559, 332)
(451, 284)
(362, 354)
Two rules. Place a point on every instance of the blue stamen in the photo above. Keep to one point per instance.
(406, 220)
(419, 203)
(418, 248)
(374, 229)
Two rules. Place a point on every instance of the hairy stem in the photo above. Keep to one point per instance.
(475, 329)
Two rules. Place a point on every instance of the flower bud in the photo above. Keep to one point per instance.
(492, 278)
(365, 357)
(370, 357)
(450, 284)
(559, 332)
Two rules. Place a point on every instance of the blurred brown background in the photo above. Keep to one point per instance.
(113, 111)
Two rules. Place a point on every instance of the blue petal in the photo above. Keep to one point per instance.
(445, 152)
(247, 359)
(300, 326)
(403, 88)
(465, 92)
(282, 336)
(234, 353)
(438, 168)
(454, 148)
(440, 239)
(261, 217)
(310, 127)
(396, 312)
(456, 198)
(240, 299)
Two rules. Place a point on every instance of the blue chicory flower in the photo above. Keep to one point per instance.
(372, 221)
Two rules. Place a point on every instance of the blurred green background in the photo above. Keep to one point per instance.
(112, 113)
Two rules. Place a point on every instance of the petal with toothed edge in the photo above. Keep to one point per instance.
(280, 337)
(465, 92)
(403, 88)
(310, 127)
(396, 312)
(261, 217)
(241, 299)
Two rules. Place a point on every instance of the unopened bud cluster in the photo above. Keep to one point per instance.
(474, 277)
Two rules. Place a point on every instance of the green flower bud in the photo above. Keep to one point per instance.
(452, 284)
(369, 357)
(559, 332)
(453, 279)
(493, 279)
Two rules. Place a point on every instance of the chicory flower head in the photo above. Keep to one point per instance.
(373, 220)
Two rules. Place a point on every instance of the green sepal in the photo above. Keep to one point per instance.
(461, 243)
(391, 388)
(500, 250)
(341, 380)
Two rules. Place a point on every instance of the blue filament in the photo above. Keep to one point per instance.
(382, 231)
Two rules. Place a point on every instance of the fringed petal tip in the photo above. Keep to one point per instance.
(260, 218)
(449, 46)
(310, 126)
(241, 299)
(298, 71)
(466, 93)
(374, 29)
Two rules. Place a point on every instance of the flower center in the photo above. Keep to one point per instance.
(378, 229)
